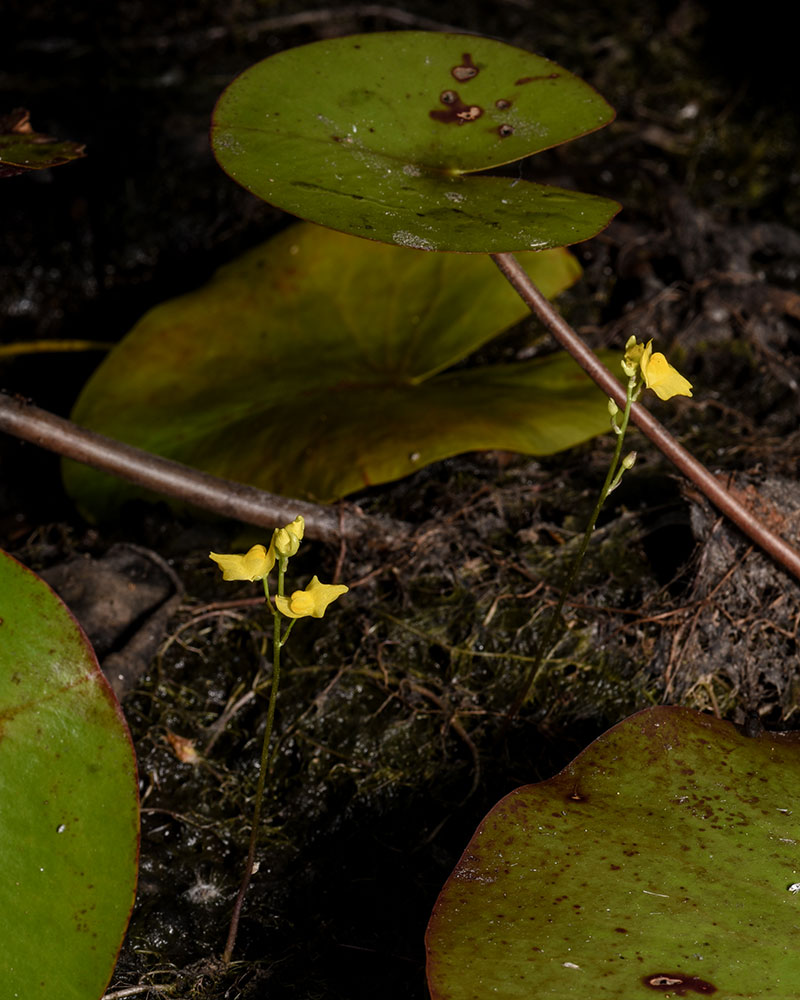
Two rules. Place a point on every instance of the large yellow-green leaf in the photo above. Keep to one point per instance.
(68, 802)
(662, 862)
(308, 367)
(381, 136)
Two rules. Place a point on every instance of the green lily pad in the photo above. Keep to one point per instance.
(380, 136)
(308, 367)
(68, 801)
(662, 862)
(23, 149)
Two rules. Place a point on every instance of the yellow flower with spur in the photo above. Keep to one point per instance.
(255, 564)
(658, 374)
(258, 561)
(311, 602)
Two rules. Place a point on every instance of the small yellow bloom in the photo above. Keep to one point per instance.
(311, 602)
(660, 376)
(253, 565)
(286, 541)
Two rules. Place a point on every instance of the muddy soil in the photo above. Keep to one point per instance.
(393, 735)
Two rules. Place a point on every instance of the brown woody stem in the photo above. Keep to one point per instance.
(221, 496)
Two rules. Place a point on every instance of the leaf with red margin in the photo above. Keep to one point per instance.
(659, 863)
(69, 808)
(22, 149)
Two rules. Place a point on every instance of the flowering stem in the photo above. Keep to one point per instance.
(780, 550)
(264, 766)
(612, 480)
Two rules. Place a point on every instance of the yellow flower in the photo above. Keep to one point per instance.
(286, 541)
(258, 562)
(313, 601)
(660, 376)
(253, 565)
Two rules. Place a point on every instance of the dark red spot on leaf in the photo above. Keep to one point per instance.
(456, 112)
(678, 984)
(466, 71)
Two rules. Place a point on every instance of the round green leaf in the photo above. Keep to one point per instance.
(68, 801)
(379, 136)
(306, 367)
(661, 862)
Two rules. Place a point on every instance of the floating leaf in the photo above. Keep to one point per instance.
(659, 863)
(68, 801)
(23, 149)
(307, 366)
(380, 136)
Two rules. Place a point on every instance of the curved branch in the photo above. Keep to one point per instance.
(771, 543)
(221, 496)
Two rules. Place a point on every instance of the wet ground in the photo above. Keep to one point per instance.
(393, 739)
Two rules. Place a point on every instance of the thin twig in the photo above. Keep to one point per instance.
(222, 496)
(134, 991)
(773, 544)
(452, 721)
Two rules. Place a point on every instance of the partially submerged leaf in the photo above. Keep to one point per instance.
(68, 801)
(306, 368)
(23, 149)
(661, 862)
(380, 135)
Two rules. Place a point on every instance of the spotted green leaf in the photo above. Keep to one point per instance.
(661, 862)
(383, 136)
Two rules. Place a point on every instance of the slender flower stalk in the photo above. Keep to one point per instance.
(233, 929)
(644, 370)
(775, 546)
(257, 564)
